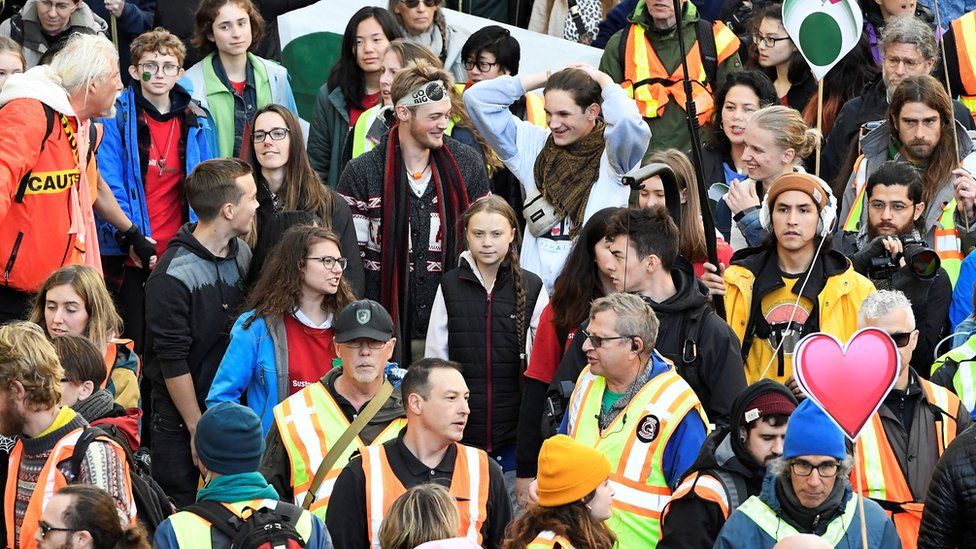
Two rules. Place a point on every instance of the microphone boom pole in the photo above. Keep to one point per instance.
(696, 154)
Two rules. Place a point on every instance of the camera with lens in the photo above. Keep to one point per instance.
(922, 262)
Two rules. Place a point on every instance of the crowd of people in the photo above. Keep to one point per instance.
(449, 314)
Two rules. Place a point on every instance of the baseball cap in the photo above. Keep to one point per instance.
(364, 318)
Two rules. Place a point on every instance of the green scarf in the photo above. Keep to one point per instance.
(239, 487)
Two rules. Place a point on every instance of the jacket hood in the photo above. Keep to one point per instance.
(739, 409)
(184, 238)
(127, 422)
(691, 292)
(754, 259)
(40, 83)
(179, 101)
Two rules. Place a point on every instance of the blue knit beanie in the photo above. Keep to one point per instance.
(811, 433)
(229, 440)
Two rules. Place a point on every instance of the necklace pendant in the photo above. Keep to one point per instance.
(161, 164)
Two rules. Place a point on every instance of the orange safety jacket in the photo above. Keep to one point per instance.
(37, 174)
(469, 488)
(652, 87)
(883, 476)
(964, 32)
(48, 483)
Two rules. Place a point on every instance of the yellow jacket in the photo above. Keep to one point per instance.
(837, 303)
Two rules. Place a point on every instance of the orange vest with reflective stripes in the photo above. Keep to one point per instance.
(48, 483)
(964, 31)
(884, 479)
(705, 487)
(469, 487)
(549, 540)
(652, 87)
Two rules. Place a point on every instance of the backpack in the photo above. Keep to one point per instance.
(153, 506)
(264, 528)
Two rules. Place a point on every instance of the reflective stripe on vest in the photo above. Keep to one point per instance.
(535, 110)
(884, 477)
(192, 530)
(642, 63)
(547, 539)
(48, 483)
(635, 449)
(309, 422)
(946, 243)
(964, 380)
(766, 519)
(964, 31)
(360, 143)
(469, 487)
(705, 487)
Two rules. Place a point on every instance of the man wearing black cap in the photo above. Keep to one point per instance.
(730, 467)
(308, 423)
(228, 447)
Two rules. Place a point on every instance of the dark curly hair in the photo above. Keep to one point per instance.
(572, 521)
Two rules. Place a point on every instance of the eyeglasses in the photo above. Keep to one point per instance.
(411, 4)
(768, 41)
(371, 343)
(897, 207)
(46, 528)
(60, 6)
(153, 68)
(277, 134)
(826, 469)
(598, 341)
(483, 66)
(330, 262)
(902, 338)
(895, 61)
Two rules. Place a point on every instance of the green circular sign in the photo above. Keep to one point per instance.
(820, 38)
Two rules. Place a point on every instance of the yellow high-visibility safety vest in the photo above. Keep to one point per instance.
(776, 528)
(192, 530)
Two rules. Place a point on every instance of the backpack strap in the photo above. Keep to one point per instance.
(17, 28)
(219, 516)
(73, 472)
(49, 115)
(735, 487)
(708, 51)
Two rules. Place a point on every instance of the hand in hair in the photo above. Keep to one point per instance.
(742, 196)
(964, 190)
(601, 78)
(714, 279)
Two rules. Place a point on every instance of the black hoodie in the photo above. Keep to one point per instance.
(691, 521)
(192, 300)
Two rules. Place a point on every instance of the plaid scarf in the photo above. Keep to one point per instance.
(452, 200)
(565, 175)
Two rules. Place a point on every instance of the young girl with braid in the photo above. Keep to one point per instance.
(481, 317)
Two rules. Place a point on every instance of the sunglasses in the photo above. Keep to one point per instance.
(46, 529)
(411, 4)
(902, 339)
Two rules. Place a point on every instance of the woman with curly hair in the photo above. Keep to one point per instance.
(285, 339)
(574, 501)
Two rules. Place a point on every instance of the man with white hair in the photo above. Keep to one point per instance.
(49, 181)
(902, 442)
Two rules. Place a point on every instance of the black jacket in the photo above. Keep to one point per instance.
(691, 521)
(488, 352)
(192, 300)
(869, 106)
(716, 375)
(949, 519)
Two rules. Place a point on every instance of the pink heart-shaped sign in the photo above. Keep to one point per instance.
(850, 382)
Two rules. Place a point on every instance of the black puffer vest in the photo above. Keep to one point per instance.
(491, 371)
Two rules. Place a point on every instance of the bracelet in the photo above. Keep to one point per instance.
(738, 217)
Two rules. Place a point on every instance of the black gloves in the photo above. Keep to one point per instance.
(133, 238)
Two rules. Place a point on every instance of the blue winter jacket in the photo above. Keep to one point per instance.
(120, 166)
(962, 293)
(741, 532)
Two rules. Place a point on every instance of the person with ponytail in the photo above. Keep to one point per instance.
(574, 502)
(485, 313)
(423, 22)
(83, 516)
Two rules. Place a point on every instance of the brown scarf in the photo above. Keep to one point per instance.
(565, 175)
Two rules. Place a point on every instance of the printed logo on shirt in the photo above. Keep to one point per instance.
(52, 182)
(300, 384)
(648, 428)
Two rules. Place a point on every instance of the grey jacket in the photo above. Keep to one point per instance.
(83, 20)
(327, 134)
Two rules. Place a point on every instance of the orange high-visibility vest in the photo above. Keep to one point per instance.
(469, 487)
(641, 63)
(48, 483)
(964, 31)
(884, 479)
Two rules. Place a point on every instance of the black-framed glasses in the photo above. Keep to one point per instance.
(371, 343)
(768, 41)
(826, 469)
(598, 341)
(411, 4)
(277, 134)
(330, 262)
(483, 66)
(902, 338)
(46, 529)
(153, 68)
